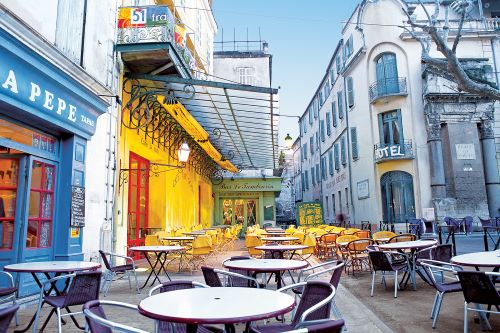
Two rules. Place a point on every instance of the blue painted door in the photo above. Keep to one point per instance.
(398, 204)
(37, 216)
(387, 74)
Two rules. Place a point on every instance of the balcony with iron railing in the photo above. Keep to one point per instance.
(387, 88)
(383, 152)
(469, 26)
(152, 35)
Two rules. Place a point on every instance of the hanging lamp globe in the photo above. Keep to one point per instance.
(288, 141)
(183, 152)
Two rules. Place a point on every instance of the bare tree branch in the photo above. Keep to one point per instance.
(460, 26)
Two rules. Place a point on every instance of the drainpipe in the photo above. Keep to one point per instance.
(346, 103)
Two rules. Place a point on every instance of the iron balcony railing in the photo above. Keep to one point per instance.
(164, 33)
(388, 87)
(383, 152)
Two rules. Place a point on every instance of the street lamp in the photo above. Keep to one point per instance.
(183, 152)
(288, 141)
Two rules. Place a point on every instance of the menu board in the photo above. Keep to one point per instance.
(77, 218)
(309, 214)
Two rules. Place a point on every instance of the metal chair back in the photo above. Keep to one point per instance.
(478, 288)
(6, 316)
(98, 322)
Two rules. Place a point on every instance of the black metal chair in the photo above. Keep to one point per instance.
(83, 287)
(479, 288)
(388, 262)
(434, 267)
(6, 317)
(315, 304)
(168, 327)
(97, 321)
(237, 282)
(231, 279)
(414, 226)
(112, 271)
(8, 292)
(320, 326)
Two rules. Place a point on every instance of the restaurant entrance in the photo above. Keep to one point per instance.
(241, 211)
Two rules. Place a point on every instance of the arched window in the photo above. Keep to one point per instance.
(387, 74)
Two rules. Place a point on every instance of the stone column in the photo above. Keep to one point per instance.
(491, 175)
(438, 183)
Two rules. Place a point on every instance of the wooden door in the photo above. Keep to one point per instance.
(138, 200)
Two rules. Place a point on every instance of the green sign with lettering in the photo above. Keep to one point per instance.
(309, 214)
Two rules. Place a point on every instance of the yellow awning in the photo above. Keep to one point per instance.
(196, 131)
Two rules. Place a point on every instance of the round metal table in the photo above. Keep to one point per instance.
(489, 259)
(280, 249)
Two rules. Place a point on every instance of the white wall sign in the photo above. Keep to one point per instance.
(465, 151)
(363, 189)
(428, 214)
(389, 151)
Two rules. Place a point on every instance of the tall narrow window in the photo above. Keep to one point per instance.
(340, 101)
(390, 128)
(330, 161)
(354, 143)
(311, 145)
(307, 180)
(343, 149)
(317, 173)
(312, 176)
(387, 74)
(328, 125)
(334, 113)
(333, 205)
(322, 129)
(327, 206)
(336, 153)
(347, 197)
(304, 153)
(350, 92)
(323, 168)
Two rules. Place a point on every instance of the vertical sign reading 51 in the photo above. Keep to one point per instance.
(138, 16)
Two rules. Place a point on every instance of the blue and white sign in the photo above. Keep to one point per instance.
(32, 84)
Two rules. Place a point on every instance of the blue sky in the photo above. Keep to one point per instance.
(302, 36)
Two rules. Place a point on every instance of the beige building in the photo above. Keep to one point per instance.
(391, 132)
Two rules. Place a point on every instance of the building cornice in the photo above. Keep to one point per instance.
(36, 42)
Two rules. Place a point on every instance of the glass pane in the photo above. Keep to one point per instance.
(49, 178)
(36, 174)
(7, 203)
(45, 234)
(227, 209)
(251, 212)
(239, 211)
(47, 206)
(132, 205)
(395, 133)
(34, 210)
(7, 234)
(387, 139)
(132, 226)
(9, 169)
(143, 176)
(142, 221)
(32, 236)
(142, 202)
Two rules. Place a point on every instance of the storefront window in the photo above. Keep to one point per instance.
(28, 137)
(227, 211)
(9, 169)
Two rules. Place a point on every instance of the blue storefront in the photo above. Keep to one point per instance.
(46, 118)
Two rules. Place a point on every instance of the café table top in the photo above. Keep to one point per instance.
(178, 238)
(417, 244)
(158, 248)
(274, 230)
(291, 247)
(194, 233)
(222, 305)
(266, 265)
(478, 259)
(52, 266)
(279, 239)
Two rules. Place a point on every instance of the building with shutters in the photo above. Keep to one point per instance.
(395, 138)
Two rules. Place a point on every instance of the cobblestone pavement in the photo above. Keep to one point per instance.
(362, 313)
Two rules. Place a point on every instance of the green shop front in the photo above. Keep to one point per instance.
(247, 201)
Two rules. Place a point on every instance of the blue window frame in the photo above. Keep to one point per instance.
(340, 101)
(334, 113)
(328, 125)
(343, 150)
(390, 128)
(337, 159)
(330, 161)
(322, 130)
(318, 180)
(387, 74)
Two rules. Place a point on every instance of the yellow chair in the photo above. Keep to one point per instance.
(402, 238)
(382, 237)
(290, 230)
(300, 235)
(200, 249)
(342, 242)
(152, 240)
(310, 242)
(358, 254)
(327, 247)
(251, 241)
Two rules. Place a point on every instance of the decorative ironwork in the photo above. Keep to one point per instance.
(155, 169)
(388, 87)
(143, 112)
(385, 152)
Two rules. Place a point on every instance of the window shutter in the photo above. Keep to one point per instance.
(343, 150)
(311, 145)
(322, 129)
(312, 176)
(323, 168)
(354, 143)
(330, 161)
(337, 160)
(302, 181)
(341, 104)
(317, 173)
(305, 151)
(328, 125)
(350, 92)
(307, 180)
(334, 113)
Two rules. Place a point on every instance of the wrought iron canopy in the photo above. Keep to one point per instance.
(242, 120)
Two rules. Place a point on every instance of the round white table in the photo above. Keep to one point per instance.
(490, 259)
(161, 258)
(275, 266)
(413, 246)
(279, 239)
(225, 305)
(280, 249)
(50, 269)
